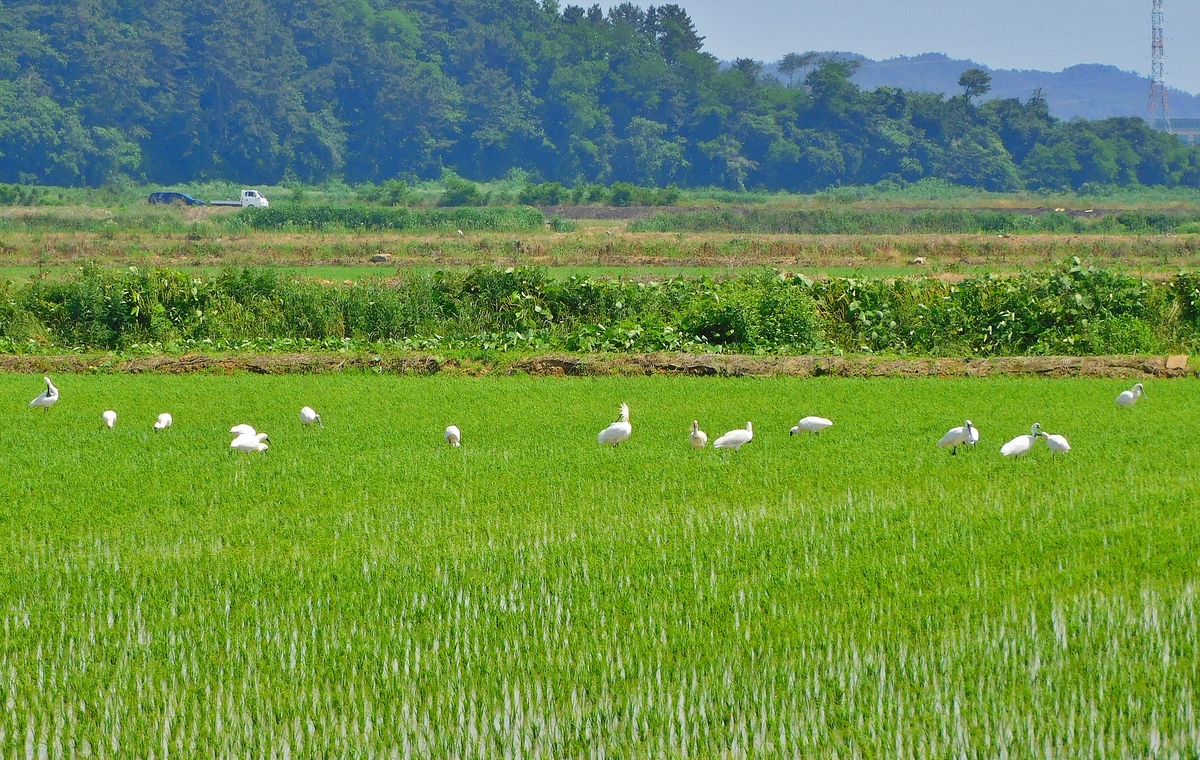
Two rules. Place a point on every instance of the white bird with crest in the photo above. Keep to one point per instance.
(48, 398)
(619, 431)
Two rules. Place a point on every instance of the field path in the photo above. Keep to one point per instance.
(564, 365)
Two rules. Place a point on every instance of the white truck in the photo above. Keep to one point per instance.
(249, 198)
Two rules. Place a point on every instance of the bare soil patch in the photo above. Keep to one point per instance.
(566, 365)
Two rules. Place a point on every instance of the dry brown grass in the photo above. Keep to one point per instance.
(605, 245)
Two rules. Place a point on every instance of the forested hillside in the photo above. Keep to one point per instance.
(263, 90)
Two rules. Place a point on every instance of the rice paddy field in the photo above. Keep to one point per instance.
(363, 590)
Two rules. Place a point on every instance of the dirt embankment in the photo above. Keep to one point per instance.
(564, 365)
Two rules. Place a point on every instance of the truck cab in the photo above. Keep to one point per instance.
(253, 198)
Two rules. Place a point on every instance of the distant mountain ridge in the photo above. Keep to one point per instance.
(1088, 91)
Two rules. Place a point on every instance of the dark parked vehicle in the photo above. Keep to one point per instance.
(172, 197)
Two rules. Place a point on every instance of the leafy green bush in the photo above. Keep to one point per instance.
(1069, 310)
(392, 192)
(544, 194)
(460, 192)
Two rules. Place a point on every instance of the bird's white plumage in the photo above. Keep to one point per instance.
(963, 435)
(48, 397)
(698, 437)
(453, 436)
(1130, 397)
(249, 443)
(735, 439)
(811, 425)
(165, 420)
(1022, 444)
(240, 430)
(1057, 443)
(110, 418)
(309, 416)
(619, 431)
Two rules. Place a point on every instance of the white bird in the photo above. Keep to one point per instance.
(47, 399)
(963, 435)
(1131, 396)
(699, 437)
(454, 436)
(735, 439)
(308, 416)
(1021, 445)
(811, 425)
(250, 443)
(618, 431)
(240, 430)
(110, 418)
(1057, 443)
(165, 420)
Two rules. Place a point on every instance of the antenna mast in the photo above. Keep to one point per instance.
(1157, 113)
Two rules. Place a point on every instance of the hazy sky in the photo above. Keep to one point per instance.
(1010, 34)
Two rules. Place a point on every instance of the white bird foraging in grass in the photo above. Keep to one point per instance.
(47, 399)
(1131, 396)
(618, 431)
(110, 419)
(963, 435)
(1057, 443)
(699, 437)
(165, 420)
(735, 439)
(1021, 445)
(454, 436)
(240, 430)
(811, 425)
(250, 443)
(308, 416)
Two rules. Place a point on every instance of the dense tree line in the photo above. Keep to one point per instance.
(371, 90)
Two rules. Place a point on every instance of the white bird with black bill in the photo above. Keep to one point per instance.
(1130, 397)
(811, 425)
(48, 397)
(1021, 445)
(963, 435)
(619, 431)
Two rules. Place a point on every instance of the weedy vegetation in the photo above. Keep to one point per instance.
(366, 590)
(883, 221)
(1071, 309)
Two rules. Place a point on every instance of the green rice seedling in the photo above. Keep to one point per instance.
(366, 590)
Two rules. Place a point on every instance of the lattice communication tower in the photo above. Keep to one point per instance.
(1157, 113)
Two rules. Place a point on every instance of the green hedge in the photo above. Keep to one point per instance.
(1071, 310)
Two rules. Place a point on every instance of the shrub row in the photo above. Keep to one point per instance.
(893, 222)
(1071, 310)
